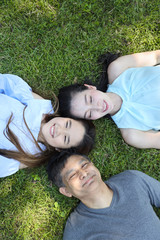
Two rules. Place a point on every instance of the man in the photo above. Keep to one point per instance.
(120, 208)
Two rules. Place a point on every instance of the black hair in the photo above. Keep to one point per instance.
(105, 60)
(67, 93)
(56, 164)
(87, 143)
(65, 96)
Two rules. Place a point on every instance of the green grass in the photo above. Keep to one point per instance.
(54, 43)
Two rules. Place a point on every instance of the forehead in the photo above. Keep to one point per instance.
(81, 94)
(78, 103)
(77, 132)
(73, 162)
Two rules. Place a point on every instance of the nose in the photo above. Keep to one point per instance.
(61, 130)
(82, 174)
(99, 103)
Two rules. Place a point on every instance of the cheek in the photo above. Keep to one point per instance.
(75, 184)
(96, 115)
(55, 142)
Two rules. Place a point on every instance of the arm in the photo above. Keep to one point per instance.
(134, 60)
(141, 139)
(36, 96)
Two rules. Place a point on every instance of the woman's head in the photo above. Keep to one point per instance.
(71, 98)
(65, 97)
(85, 102)
(66, 133)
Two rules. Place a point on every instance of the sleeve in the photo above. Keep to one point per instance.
(8, 166)
(15, 87)
(69, 231)
(152, 186)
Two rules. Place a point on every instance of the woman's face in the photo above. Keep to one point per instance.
(91, 104)
(62, 132)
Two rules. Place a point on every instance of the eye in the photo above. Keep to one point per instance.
(72, 176)
(85, 165)
(66, 139)
(68, 124)
(90, 114)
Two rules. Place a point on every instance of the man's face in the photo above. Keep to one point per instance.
(80, 177)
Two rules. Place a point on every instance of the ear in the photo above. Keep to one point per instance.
(64, 191)
(90, 86)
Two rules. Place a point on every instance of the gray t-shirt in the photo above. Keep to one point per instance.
(129, 217)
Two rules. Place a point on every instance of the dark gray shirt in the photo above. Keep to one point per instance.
(129, 217)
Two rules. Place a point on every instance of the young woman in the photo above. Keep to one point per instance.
(30, 131)
(132, 99)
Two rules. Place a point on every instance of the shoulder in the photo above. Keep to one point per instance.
(113, 71)
(123, 180)
(71, 227)
(128, 174)
(76, 223)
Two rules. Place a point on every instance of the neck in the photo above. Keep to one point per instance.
(101, 198)
(117, 102)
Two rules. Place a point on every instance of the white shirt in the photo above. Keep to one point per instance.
(15, 94)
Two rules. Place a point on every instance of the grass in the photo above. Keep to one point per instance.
(51, 44)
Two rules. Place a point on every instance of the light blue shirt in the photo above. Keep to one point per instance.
(15, 94)
(139, 89)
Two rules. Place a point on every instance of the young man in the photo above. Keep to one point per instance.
(120, 208)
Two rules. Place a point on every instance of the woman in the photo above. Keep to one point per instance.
(132, 98)
(30, 131)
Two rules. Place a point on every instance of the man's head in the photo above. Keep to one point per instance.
(74, 174)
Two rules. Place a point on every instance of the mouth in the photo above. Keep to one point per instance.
(52, 130)
(105, 106)
(89, 181)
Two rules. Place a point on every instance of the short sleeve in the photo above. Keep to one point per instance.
(8, 166)
(15, 87)
(151, 186)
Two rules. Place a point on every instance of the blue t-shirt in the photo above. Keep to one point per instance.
(130, 215)
(15, 94)
(139, 89)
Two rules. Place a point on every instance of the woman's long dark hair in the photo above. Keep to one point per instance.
(105, 60)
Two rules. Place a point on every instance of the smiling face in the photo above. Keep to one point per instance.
(62, 132)
(80, 177)
(91, 104)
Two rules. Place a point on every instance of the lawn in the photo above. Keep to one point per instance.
(51, 44)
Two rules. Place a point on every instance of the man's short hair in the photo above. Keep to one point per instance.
(56, 165)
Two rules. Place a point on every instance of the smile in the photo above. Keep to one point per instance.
(105, 106)
(52, 130)
(89, 181)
